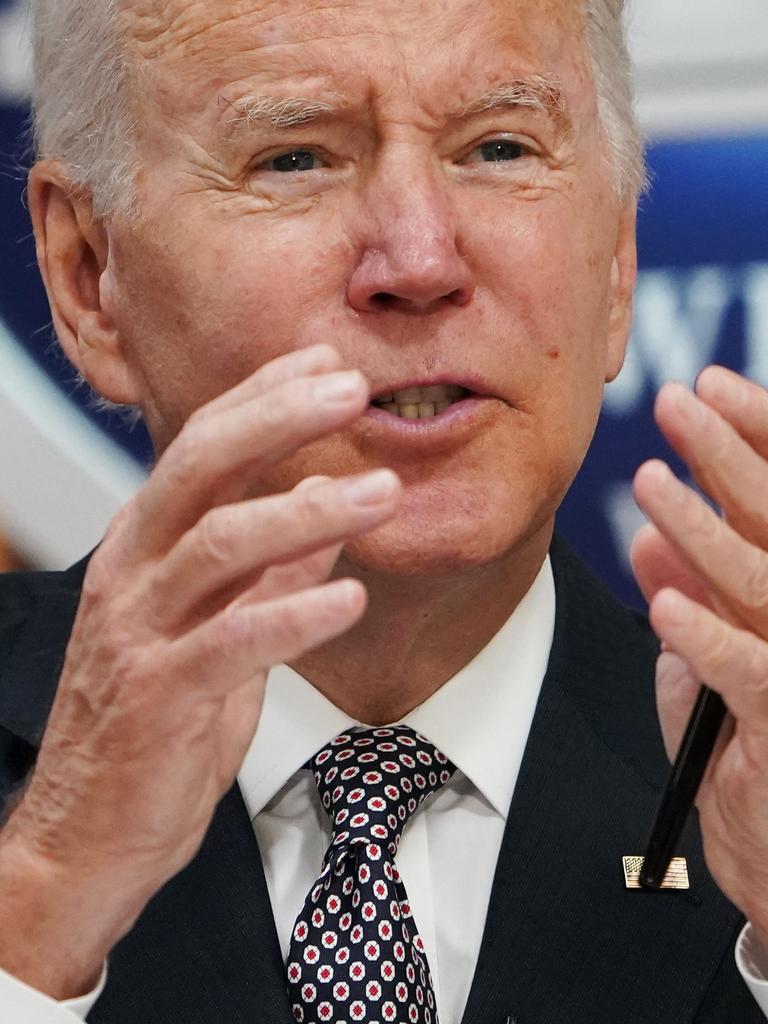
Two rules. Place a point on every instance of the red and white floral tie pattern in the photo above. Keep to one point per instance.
(355, 954)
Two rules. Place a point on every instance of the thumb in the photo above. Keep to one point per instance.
(677, 690)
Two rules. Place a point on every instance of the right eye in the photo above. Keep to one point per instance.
(293, 161)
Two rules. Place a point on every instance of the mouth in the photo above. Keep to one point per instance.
(421, 403)
(429, 417)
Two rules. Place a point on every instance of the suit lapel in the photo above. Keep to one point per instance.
(564, 940)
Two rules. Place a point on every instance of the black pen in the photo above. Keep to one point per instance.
(682, 786)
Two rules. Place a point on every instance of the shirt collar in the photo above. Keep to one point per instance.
(296, 721)
(480, 718)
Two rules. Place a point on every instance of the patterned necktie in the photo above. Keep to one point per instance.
(355, 955)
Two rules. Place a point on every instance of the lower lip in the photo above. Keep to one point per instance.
(451, 422)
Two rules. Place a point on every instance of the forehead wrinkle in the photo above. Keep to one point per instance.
(157, 31)
(273, 60)
(157, 28)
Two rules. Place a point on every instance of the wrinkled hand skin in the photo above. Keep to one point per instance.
(705, 576)
(196, 591)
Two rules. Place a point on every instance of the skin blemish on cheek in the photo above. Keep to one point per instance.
(554, 353)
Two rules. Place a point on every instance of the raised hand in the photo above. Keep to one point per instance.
(706, 578)
(195, 592)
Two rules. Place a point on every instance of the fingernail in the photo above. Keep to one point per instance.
(671, 489)
(371, 489)
(337, 388)
(345, 594)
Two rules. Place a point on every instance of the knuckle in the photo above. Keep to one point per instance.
(720, 447)
(757, 667)
(313, 504)
(216, 535)
(273, 408)
(234, 630)
(755, 585)
(289, 402)
(704, 521)
(99, 578)
(185, 454)
(290, 625)
(224, 636)
(720, 654)
(755, 663)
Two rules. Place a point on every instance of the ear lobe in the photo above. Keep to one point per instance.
(73, 256)
(622, 288)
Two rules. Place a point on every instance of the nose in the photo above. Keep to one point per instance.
(410, 255)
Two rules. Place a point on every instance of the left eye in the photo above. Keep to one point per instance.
(497, 151)
(296, 160)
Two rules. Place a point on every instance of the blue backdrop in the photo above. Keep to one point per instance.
(702, 296)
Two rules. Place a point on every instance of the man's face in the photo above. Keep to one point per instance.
(423, 186)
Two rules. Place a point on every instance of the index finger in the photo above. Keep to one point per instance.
(724, 465)
(742, 402)
(301, 362)
(217, 458)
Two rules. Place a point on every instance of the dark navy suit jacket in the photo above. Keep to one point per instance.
(564, 941)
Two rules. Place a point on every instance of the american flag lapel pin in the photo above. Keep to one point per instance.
(675, 878)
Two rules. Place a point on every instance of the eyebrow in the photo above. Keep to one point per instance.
(289, 112)
(537, 92)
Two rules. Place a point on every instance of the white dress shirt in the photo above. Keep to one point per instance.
(480, 720)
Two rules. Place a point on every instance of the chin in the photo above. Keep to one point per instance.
(445, 547)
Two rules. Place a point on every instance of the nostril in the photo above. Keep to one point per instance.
(460, 296)
(383, 298)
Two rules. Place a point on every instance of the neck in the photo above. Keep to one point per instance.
(418, 633)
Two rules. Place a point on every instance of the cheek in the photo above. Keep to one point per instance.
(549, 264)
(548, 267)
(202, 316)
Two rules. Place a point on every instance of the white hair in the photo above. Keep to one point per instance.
(606, 43)
(82, 112)
(80, 99)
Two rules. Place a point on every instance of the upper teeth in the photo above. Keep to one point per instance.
(420, 403)
(414, 396)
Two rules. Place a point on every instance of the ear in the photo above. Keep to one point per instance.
(74, 259)
(623, 281)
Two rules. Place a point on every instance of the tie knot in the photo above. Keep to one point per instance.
(372, 781)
